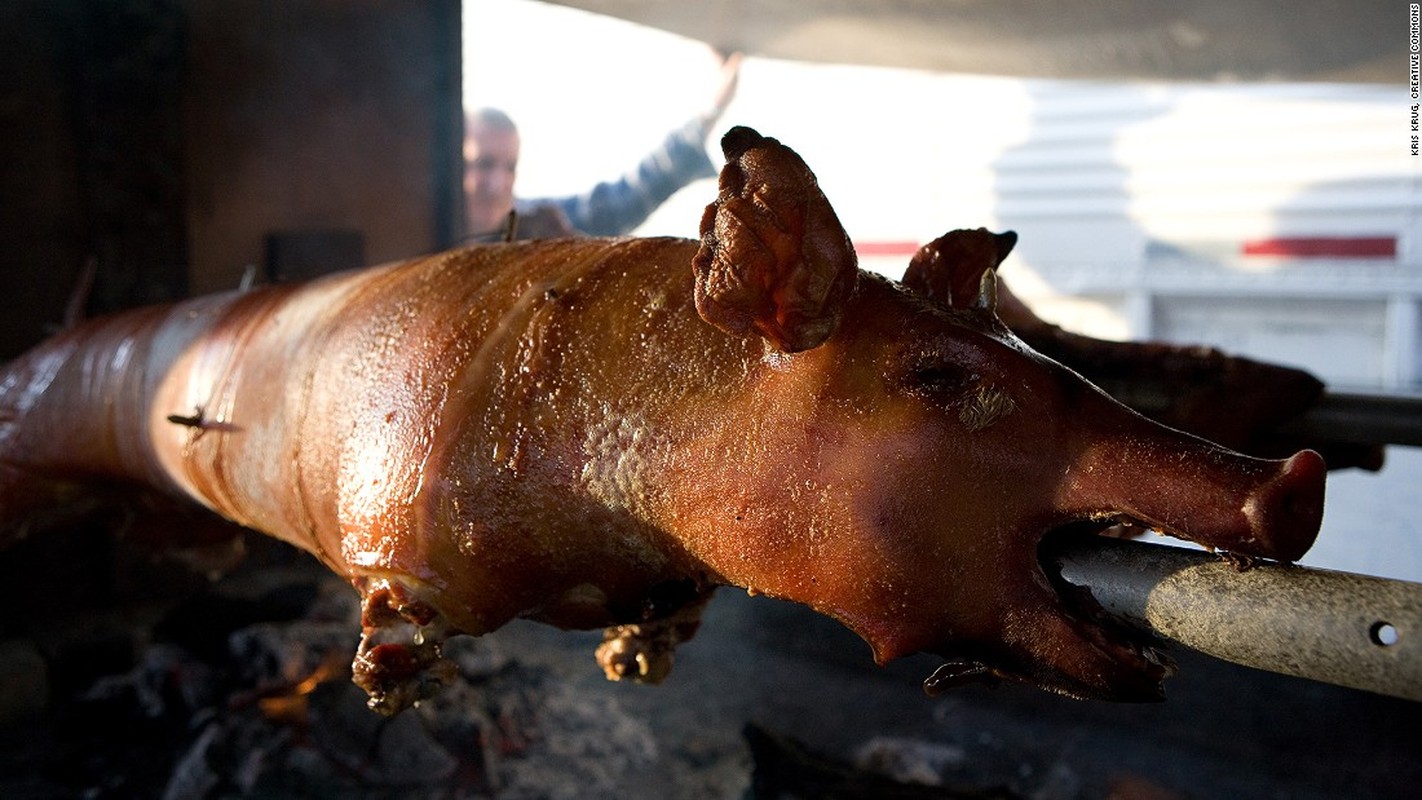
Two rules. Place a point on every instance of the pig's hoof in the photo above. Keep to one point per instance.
(397, 676)
(399, 661)
(638, 653)
(642, 652)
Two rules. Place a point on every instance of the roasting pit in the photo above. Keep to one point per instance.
(162, 683)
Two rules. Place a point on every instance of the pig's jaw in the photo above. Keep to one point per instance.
(1131, 664)
(1056, 636)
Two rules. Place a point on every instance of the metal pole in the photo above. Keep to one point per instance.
(1336, 627)
(1371, 419)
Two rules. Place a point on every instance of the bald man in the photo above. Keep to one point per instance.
(611, 208)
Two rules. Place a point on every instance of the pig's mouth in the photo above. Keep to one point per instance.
(1069, 643)
(1140, 661)
(1040, 629)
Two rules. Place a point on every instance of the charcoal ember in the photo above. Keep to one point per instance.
(405, 754)
(1062, 781)
(343, 751)
(277, 653)
(910, 760)
(193, 776)
(205, 621)
(460, 721)
(708, 766)
(478, 659)
(230, 756)
(383, 751)
(974, 763)
(785, 769)
(576, 744)
(168, 680)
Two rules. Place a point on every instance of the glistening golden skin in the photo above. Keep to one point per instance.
(597, 433)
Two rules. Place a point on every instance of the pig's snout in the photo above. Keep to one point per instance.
(1285, 512)
(1249, 507)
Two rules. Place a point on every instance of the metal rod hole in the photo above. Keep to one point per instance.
(1383, 634)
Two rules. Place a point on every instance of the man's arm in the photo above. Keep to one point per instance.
(613, 208)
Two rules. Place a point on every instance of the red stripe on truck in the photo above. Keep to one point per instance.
(905, 249)
(1324, 247)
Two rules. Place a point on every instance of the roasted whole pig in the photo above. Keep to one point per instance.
(597, 433)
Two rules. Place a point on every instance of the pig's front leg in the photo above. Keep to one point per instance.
(643, 652)
(400, 659)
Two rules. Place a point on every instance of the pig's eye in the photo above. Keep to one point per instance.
(939, 378)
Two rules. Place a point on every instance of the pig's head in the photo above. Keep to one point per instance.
(947, 455)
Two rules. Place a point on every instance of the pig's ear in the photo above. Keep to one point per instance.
(774, 259)
(959, 268)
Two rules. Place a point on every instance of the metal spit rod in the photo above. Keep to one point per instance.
(1349, 630)
(1371, 419)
